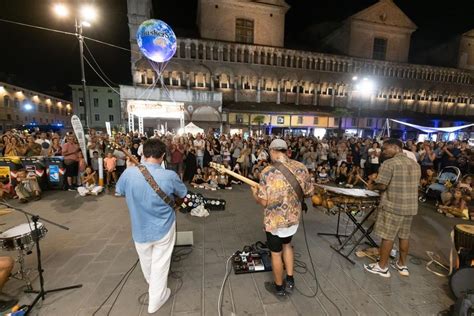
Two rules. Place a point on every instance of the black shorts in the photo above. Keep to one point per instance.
(72, 169)
(275, 243)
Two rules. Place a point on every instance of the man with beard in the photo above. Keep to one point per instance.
(397, 180)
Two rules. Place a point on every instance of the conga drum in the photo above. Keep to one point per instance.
(460, 281)
(464, 237)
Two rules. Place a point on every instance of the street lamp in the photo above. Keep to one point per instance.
(365, 87)
(83, 17)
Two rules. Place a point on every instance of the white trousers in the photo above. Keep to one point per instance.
(155, 258)
(94, 190)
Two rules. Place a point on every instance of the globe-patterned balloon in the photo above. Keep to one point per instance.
(156, 40)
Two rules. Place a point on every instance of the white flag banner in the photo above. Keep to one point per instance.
(108, 128)
(79, 131)
(428, 129)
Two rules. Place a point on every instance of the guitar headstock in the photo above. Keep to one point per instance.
(219, 168)
(114, 145)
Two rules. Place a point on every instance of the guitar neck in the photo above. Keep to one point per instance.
(240, 177)
(128, 154)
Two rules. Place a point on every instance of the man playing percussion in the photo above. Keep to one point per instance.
(6, 267)
(153, 220)
(397, 180)
(282, 213)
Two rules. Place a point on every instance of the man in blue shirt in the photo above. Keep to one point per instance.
(152, 220)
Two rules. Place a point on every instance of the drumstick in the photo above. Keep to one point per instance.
(360, 178)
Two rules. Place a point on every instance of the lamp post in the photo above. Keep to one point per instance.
(365, 87)
(86, 15)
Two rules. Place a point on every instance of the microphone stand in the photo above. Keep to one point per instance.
(41, 292)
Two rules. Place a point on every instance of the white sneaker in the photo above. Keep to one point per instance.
(376, 269)
(403, 270)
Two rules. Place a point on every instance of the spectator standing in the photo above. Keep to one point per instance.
(70, 151)
(199, 146)
(44, 143)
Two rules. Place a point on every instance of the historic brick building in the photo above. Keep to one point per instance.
(240, 60)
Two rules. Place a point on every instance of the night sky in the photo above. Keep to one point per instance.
(48, 61)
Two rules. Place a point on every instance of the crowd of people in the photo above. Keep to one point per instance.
(349, 162)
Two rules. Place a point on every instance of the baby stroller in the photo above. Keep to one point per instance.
(447, 177)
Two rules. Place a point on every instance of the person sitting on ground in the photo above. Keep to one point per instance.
(27, 187)
(223, 182)
(89, 185)
(212, 181)
(110, 163)
(342, 173)
(354, 176)
(465, 185)
(455, 206)
(323, 176)
(5, 188)
(198, 178)
(428, 179)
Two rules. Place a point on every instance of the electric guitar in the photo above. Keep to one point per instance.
(178, 202)
(222, 169)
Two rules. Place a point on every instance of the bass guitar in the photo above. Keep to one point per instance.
(222, 169)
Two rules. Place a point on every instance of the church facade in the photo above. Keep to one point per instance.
(240, 63)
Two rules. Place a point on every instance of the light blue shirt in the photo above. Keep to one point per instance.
(151, 217)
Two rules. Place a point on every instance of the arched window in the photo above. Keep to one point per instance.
(6, 101)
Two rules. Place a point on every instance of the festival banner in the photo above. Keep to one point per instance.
(108, 128)
(79, 131)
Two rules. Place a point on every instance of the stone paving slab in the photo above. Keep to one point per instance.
(97, 251)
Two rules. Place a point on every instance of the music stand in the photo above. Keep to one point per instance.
(41, 292)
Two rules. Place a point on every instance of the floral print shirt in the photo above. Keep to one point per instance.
(283, 208)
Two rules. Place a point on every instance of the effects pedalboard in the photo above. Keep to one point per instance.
(252, 259)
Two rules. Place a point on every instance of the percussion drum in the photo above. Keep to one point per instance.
(464, 236)
(21, 237)
(461, 283)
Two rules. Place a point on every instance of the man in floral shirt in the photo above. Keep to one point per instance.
(281, 214)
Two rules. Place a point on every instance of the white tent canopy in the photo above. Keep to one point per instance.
(193, 129)
(428, 129)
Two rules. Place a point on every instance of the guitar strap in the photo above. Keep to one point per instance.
(291, 179)
(155, 186)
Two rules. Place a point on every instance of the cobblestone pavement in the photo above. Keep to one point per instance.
(97, 251)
